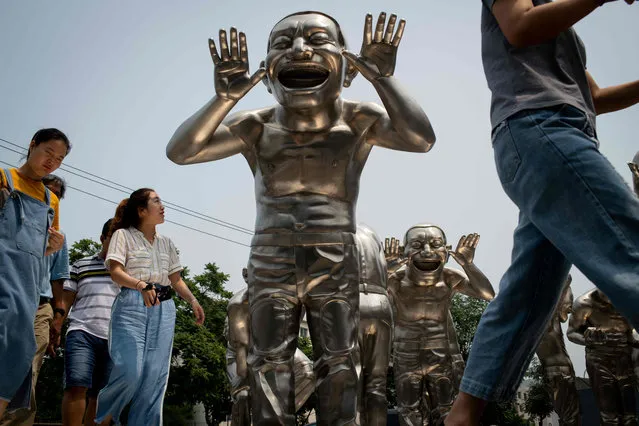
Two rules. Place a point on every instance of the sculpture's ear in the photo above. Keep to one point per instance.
(351, 73)
(265, 79)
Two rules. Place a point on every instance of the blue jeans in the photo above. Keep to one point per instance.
(86, 362)
(574, 209)
(140, 342)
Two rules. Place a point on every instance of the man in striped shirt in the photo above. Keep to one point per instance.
(89, 293)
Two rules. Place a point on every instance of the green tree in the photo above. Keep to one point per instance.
(83, 248)
(302, 415)
(538, 403)
(466, 313)
(198, 370)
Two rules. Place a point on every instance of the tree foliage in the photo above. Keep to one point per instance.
(198, 371)
(538, 403)
(466, 313)
(83, 248)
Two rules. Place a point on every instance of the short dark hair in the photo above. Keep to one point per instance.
(50, 134)
(340, 35)
(106, 228)
(56, 179)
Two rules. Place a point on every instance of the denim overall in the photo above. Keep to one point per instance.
(24, 224)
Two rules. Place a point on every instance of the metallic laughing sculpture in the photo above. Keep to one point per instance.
(420, 293)
(306, 154)
(375, 327)
(557, 365)
(596, 324)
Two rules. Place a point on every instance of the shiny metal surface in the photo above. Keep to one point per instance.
(237, 333)
(556, 363)
(426, 361)
(634, 168)
(375, 328)
(306, 153)
(607, 336)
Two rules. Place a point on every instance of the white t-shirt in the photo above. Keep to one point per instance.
(151, 263)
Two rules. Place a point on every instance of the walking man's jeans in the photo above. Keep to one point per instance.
(574, 209)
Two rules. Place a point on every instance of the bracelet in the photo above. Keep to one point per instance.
(191, 300)
(137, 285)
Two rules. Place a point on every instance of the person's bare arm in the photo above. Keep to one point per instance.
(206, 135)
(183, 290)
(525, 24)
(402, 124)
(613, 98)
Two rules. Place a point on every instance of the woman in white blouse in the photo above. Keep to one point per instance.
(146, 266)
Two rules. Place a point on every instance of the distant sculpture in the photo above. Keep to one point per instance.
(420, 293)
(557, 365)
(375, 327)
(607, 336)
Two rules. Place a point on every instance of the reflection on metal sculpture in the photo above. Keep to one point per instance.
(375, 327)
(306, 154)
(421, 291)
(634, 168)
(236, 330)
(607, 336)
(556, 362)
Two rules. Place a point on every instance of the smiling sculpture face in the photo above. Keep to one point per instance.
(304, 64)
(426, 249)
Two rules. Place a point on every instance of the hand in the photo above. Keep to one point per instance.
(464, 254)
(394, 254)
(379, 52)
(232, 79)
(198, 312)
(55, 242)
(150, 298)
(55, 332)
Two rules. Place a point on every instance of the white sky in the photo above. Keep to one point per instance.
(119, 77)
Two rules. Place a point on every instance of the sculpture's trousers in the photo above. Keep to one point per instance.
(375, 328)
(322, 279)
(565, 396)
(424, 381)
(612, 380)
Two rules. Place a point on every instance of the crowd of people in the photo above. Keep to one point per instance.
(574, 209)
(118, 302)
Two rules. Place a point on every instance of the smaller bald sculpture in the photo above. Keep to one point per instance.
(607, 336)
(420, 292)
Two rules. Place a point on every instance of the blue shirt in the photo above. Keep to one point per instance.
(57, 265)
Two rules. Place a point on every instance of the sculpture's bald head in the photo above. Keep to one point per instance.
(425, 247)
(634, 168)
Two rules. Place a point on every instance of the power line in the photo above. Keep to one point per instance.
(168, 221)
(127, 190)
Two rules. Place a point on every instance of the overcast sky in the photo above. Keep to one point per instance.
(119, 77)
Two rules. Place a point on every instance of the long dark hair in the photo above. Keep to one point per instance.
(128, 212)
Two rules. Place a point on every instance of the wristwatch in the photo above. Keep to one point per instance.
(59, 311)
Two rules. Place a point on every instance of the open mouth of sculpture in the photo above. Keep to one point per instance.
(303, 77)
(426, 265)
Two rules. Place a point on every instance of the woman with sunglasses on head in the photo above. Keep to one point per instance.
(146, 265)
(29, 231)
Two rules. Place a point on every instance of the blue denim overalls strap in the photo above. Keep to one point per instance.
(24, 224)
